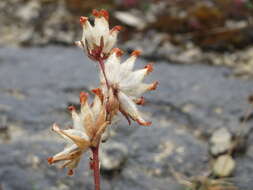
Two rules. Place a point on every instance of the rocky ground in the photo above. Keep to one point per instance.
(37, 84)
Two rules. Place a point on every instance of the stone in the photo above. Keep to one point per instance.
(220, 141)
(224, 166)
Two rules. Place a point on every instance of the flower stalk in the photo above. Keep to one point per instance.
(95, 167)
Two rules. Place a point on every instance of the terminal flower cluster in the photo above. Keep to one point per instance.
(120, 91)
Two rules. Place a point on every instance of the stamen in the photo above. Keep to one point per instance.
(148, 123)
(136, 53)
(118, 52)
(149, 68)
(116, 28)
(83, 97)
(83, 19)
(153, 85)
(50, 160)
(140, 101)
(104, 14)
(95, 13)
(70, 172)
(71, 108)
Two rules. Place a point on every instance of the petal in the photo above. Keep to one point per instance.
(87, 32)
(86, 114)
(127, 66)
(76, 136)
(129, 107)
(112, 66)
(97, 103)
(140, 89)
(133, 79)
(67, 154)
(111, 39)
(71, 164)
(77, 122)
(101, 25)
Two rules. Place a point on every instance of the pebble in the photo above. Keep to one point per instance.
(220, 141)
(224, 166)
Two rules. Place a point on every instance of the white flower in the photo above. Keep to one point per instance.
(98, 40)
(88, 127)
(126, 85)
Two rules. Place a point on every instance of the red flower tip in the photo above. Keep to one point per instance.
(117, 28)
(50, 160)
(147, 123)
(136, 53)
(83, 19)
(95, 13)
(97, 91)
(154, 85)
(149, 67)
(71, 108)
(140, 101)
(70, 172)
(104, 13)
(101, 13)
(117, 51)
(83, 97)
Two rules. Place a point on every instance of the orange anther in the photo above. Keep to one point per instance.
(154, 85)
(147, 123)
(118, 51)
(71, 108)
(117, 28)
(70, 172)
(136, 53)
(83, 19)
(104, 14)
(83, 97)
(95, 13)
(140, 101)
(50, 160)
(149, 68)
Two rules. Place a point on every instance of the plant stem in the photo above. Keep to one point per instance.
(95, 167)
(102, 66)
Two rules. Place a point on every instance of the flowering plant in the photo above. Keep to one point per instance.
(120, 91)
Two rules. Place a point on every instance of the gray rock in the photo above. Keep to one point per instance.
(189, 104)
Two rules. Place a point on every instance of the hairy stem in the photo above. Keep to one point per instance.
(95, 167)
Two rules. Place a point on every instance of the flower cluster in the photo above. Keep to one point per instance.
(121, 89)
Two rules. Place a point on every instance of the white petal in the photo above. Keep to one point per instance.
(110, 41)
(67, 150)
(75, 132)
(101, 25)
(77, 122)
(140, 89)
(130, 108)
(133, 79)
(88, 34)
(112, 66)
(96, 108)
(126, 67)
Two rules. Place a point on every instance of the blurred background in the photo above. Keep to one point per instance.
(201, 135)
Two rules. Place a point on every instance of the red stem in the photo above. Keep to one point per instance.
(102, 66)
(95, 167)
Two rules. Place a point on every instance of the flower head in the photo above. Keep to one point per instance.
(126, 85)
(98, 40)
(88, 127)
